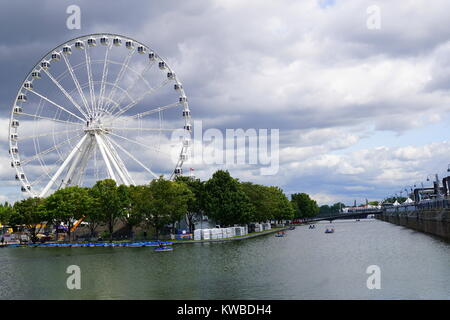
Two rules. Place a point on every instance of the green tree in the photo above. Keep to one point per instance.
(262, 199)
(130, 197)
(281, 207)
(325, 210)
(30, 212)
(225, 201)
(94, 215)
(108, 199)
(304, 205)
(393, 199)
(67, 205)
(336, 208)
(6, 211)
(197, 201)
(163, 202)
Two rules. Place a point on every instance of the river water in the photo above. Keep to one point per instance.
(307, 264)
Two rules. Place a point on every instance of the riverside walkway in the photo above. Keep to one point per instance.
(247, 236)
(137, 244)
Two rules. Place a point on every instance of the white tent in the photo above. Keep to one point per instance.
(396, 203)
(408, 200)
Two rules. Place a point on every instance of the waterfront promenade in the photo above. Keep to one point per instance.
(153, 243)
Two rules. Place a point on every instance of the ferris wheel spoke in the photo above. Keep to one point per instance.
(149, 112)
(56, 105)
(135, 81)
(135, 102)
(119, 77)
(45, 134)
(46, 151)
(68, 96)
(50, 119)
(144, 129)
(89, 73)
(136, 142)
(47, 172)
(133, 158)
(77, 83)
(104, 77)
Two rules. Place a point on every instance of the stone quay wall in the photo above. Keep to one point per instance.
(435, 222)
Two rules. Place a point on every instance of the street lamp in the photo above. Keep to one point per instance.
(438, 193)
(435, 175)
(407, 192)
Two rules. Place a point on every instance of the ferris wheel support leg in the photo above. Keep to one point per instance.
(63, 166)
(116, 161)
(77, 178)
(75, 164)
(105, 156)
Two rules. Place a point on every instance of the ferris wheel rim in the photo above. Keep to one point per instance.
(16, 157)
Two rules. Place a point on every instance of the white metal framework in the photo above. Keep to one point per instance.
(98, 106)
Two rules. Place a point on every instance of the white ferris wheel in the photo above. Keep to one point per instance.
(98, 106)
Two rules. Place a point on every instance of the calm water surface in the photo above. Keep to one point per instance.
(307, 264)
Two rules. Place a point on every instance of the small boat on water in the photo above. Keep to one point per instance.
(280, 234)
(292, 228)
(163, 249)
(312, 226)
(329, 230)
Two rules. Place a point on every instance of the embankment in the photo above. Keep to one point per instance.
(435, 222)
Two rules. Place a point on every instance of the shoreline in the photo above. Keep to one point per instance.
(247, 236)
(138, 244)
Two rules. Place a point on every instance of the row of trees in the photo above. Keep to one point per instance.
(222, 198)
(154, 205)
(335, 208)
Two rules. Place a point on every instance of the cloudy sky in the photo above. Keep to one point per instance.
(362, 112)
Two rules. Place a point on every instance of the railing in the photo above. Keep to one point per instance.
(423, 205)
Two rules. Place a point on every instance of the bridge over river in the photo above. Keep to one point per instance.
(359, 214)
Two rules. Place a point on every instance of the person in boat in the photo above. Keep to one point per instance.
(161, 245)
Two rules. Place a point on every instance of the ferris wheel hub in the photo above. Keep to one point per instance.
(95, 126)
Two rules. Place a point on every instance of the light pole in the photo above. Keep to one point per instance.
(438, 193)
(407, 192)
